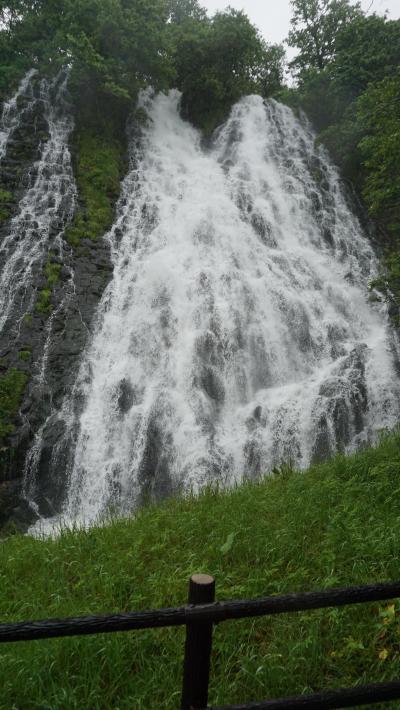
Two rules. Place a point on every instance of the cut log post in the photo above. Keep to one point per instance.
(196, 668)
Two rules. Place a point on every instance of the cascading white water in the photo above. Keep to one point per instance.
(11, 113)
(236, 333)
(45, 208)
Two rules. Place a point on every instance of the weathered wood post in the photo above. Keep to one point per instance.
(196, 668)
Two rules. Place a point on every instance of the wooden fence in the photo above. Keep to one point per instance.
(199, 617)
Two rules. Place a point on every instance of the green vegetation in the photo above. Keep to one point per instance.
(379, 110)
(25, 355)
(315, 25)
(12, 385)
(5, 199)
(117, 47)
(335, 524)
(219, 60)
(52, 271)
(348, 73)
(44, 304)
(99, 168)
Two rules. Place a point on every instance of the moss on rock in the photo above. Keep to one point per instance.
(5, 204)
(12, 386)
(43, 304)
(99, 168)
(25, 354)
(52, 271)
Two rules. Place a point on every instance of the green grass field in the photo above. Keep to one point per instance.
(335, 524)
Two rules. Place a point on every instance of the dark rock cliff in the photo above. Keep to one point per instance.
(41, 345)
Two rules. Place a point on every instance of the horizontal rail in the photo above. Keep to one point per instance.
(341, 698)
(216, 613)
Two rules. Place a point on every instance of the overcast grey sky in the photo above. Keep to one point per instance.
(272, 16)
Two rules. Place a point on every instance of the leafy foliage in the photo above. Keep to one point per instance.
(315, 26)
(379, 111)
(116, 47)
(179, 11)
(219, 60)
(116, 44)
(367, 50)
(352, 96)
(270, 72)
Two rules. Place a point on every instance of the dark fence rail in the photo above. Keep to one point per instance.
(215, 612)
(199, 617)
(343, 698)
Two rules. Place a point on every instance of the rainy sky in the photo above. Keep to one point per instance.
(272, 17)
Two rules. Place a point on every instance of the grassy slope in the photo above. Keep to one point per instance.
(336, 524)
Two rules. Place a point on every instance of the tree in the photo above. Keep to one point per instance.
(379, 112)
(367, 50)
(268, 75)
(117, 47)
(181, 10)
(217, 61)
(314, 28)
(349, 85)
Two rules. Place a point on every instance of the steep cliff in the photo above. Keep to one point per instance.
(54, 266)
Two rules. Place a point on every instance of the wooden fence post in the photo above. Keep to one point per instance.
(196, 668)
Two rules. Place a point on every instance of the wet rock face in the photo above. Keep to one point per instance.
(14, 511)
(46, 343)
(17, 169)
(345, 416)
(23, 149)
(59, 339)
(154, 475)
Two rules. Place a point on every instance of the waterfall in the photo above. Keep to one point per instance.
(236, 333)
(11, 113)
(44, 210)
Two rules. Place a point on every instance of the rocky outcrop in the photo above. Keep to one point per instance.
(47, 327)
(54, 345)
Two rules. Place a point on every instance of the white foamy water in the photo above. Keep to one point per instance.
(11, 113)
(236, 333)
(44, 210)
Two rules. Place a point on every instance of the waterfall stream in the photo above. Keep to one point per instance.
(236, 333)
(11, 113)
(44, 210)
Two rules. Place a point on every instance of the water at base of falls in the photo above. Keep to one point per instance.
(236, 333)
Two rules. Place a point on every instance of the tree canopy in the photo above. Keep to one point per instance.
(116, 47)
(315, 26)
(219, 60)
(348, 81)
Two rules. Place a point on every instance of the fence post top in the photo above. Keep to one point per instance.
(202, 579)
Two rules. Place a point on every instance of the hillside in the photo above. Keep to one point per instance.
(338, 523)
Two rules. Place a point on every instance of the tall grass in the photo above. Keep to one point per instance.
(336, 524)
